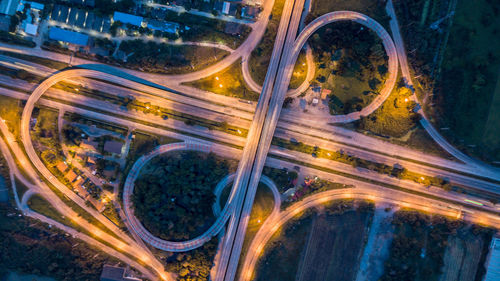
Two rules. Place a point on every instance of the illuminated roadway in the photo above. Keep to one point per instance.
(261, 130)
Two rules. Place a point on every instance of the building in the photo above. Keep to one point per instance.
(325, 93)
(493, 262)
(128, 18)
(70, 37)
(114, 273)
(250, 12)
(62, 167)
(113, 147)
(8, 7)
(165, 26)
(71, 176)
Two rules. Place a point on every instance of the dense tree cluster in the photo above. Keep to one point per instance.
(194, 265)
(173, 197)
(419, 245)
(347, 49)
(30, 247)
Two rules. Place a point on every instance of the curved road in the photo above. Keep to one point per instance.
(386, 41)
(138, 228)
(274, 223)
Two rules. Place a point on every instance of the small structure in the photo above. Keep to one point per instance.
(113, 147)
(493, 262)
(128, 18)
(62, 167)
(250, 12)
(165, 26)
(71, 176)
(70, 37)
(315, 101)
(325, 93)
(114, 273)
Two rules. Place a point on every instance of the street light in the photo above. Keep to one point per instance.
(217, 78)
(220, 85)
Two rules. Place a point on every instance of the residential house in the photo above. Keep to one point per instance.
(69, 37)
(62, 167)
(71, 176)
(250, 12)
(164, 26)
(128, 18)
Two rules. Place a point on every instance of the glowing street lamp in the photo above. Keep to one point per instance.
(220, 85)
(217, 78)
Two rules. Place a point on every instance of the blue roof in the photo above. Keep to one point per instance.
(127, 18)
(72, 37)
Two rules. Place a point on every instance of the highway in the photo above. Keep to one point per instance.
(259, 144)
(124, 243)
(285, 134)
(239, 118)
(264, 126)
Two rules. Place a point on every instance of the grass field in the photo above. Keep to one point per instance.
(10, 111)
(261, 55)
(394, 118)
(299, 71)
(371, 8)
(467, 99)
(228, 82)
(334, 247)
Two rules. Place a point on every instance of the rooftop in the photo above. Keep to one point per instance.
(67, 36)
(128, 18)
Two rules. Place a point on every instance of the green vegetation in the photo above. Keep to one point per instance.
(173, 197)
(228, 82)
(395, 118)
(38, 204)
(299, 71)
(316, 244)
(457, 69)
(262, 207)
(10, 111)
(166, 58)
(419, 246)
(144, 143)
(203, 29)
(11, 38)
(372, 8)
(31, 247)
(311, 186)
(397, 171)
(283, 178)
(261, 55)
(195, 264)
(112, 214)
(351, 62)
